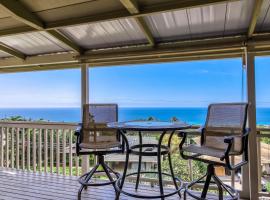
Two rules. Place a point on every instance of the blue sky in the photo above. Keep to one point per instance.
(171, 84)
(182, 84)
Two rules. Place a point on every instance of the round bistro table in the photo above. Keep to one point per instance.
(142, 149)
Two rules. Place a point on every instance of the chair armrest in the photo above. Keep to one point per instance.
(78, 135)
(182, 133)
(195, 132)
(247, 131)
(201, 129)
(229, 140)
(184, 137)
(78, 131)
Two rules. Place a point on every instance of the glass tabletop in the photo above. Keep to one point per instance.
(148, 125)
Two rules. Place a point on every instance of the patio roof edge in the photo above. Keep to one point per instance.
(215, 48)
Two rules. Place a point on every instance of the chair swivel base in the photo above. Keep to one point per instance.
(85, 180)
(136, 195)
(232, 193)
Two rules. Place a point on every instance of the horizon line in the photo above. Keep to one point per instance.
(120, 107)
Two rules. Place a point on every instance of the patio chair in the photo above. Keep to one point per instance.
(223, 136)
(96, 139)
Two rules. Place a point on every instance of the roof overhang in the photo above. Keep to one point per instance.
(151, 50)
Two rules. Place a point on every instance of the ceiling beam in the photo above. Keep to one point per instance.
(50, 59)
(38, 68)
(17, 10)
(175, 47)
(21, 13)
(214, 48)
(17, 30)
(61, 37)
(12, 51)
(165, 52)
(255, 14)
(131, 5)
(133, 8)
(167, 59)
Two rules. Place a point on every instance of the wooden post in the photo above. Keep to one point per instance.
(84, 100)
(251, 186)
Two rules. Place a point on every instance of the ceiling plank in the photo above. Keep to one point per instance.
(120, 14)
(12, 51)
(17, 10)
(21, 13)
(255, 14)
(144, 11)
(133, 8)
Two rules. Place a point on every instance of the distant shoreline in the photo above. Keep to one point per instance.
(191, 115)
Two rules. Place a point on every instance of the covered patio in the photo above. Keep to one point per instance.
(49, 35)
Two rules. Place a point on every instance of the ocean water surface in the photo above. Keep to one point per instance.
(190, 115)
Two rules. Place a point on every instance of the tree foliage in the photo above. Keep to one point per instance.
(180, 166)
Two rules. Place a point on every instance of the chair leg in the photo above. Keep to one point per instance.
(117, 196)
(80, 192)
(87, 178)
(224, 186)
(111, 170)
(172, 173)
(220, 190)
(206, 186)
(140, 163)
(196, 181)
(185, 195)
(91, 173)
(210, 173)
(105, 168)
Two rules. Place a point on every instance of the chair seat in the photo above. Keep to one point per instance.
(204, 150)
(100, 145)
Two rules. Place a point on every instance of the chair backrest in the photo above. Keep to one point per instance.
(225, 119)
(97, 116)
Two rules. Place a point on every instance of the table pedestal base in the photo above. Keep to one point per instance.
(136, 195)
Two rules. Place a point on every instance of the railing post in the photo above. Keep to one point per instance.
(84, 100)
(2, 147)
(251, 172)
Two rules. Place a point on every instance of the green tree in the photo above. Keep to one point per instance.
(174, 119)
(181, 166)
(15, 118)
(151, 118)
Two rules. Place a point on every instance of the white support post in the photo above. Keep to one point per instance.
(84, 100)
(251, 186)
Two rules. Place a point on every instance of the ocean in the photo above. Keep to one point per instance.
(194, 116)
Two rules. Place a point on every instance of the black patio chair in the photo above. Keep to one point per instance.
(95, 138)
(224, 135)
